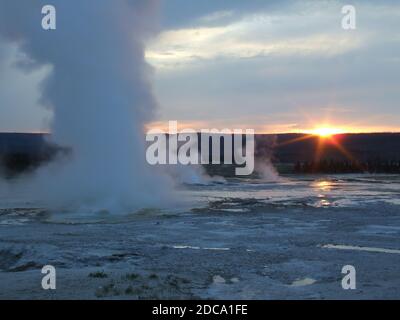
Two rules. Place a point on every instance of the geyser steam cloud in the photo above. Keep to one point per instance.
(98, 89)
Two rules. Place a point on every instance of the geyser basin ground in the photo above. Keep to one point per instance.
(240, 240)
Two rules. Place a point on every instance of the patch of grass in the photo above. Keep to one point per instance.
(129, 290)
(145, 287)
(173, 281)
(98, 274)
(132, 276)
(107, 290)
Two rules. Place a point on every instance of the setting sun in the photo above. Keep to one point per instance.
(326, 132)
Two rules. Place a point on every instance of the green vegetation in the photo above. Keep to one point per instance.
(98, 274)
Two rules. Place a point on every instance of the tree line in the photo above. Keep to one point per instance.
(347, 166)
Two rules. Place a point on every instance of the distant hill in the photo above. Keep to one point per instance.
(21, 152)
(373, 152)
(344, 153)
(22, 142)
(363, 147)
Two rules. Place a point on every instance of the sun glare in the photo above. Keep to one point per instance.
(325, 132)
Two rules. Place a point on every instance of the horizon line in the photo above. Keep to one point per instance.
(256, 133)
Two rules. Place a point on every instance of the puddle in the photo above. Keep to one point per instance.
(303, 282)
(357, 248)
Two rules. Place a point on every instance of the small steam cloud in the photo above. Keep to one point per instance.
(263, 156)
(99, 92)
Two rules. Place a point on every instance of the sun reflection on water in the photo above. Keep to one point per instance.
(322, 185)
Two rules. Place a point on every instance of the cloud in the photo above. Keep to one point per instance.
(217, 16)
(311, 31)
(282, 66)
(256, 62)
(172, 48)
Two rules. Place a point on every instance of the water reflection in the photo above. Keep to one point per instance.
(322, 185)
(323, 203)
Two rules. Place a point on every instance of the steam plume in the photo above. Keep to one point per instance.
(100, 95)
